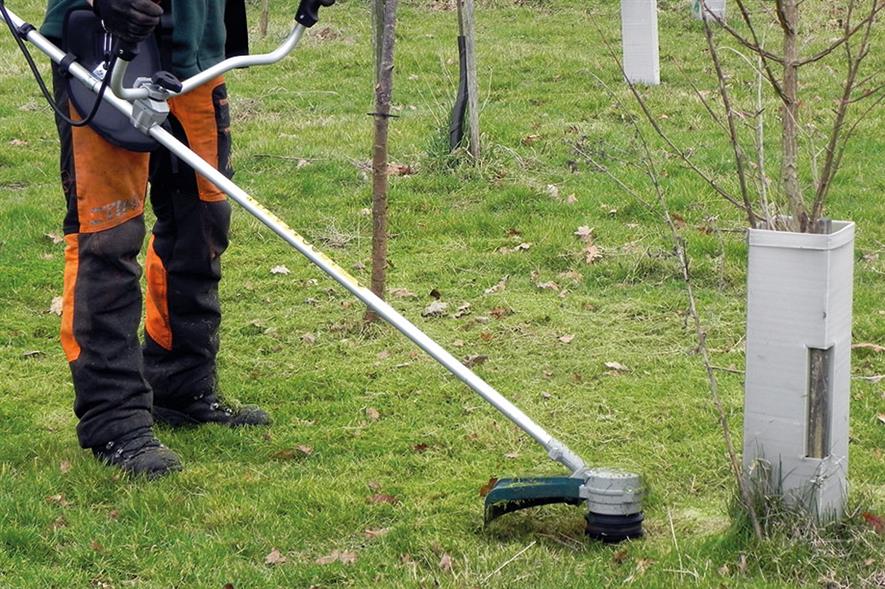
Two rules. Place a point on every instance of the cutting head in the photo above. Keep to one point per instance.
(614, 500)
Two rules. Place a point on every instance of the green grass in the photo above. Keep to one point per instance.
(66, 521)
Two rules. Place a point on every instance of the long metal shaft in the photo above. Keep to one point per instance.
(555, 449)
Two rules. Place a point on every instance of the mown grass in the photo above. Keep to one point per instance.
(66, 521)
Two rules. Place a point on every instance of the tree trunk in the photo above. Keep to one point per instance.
(788, 13)
(468, 29)
(262, 22)
(383, 91)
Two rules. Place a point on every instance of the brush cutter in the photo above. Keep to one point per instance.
(613, 497)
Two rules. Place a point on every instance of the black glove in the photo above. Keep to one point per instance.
(131, 20)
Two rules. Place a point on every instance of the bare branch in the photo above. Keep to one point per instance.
(772, 79)
(739, 156)
(844, 38)
(660, 132)
(831, 162)
(752, 45)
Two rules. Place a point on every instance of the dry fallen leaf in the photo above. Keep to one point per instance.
(619, 556)
(445, 563)
(58, 500)
(486, 488)
(550, 285)
(458, 343)
(616, 366)
(18, 143)
(96, 546)
(553, 191)
(65, 466)
(305, 450)
(474, 360)
(499, 312)
(373, 414)
(462, 311)
(55, 238)
(868, 346)
(591, 254)
(402, 293)
(881, 417)
(530, 139)
(571, 199)
(584, 232)
(309, 339)
(337, 556)
(486, 336)
(33, 354)
(378, 498)
(420, 448)
(435, 309)
(566, 339)
(499, 287)
(279, 270)
(274, 558)
(57, 305)
(512, 455)
(875, 521)
(369, 533)
(399, 170)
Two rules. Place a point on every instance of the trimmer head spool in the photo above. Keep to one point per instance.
(614, 504)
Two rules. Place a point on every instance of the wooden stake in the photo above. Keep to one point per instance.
(383, 91)
(262, 23)
(468, 29)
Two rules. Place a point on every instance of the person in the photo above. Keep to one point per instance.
(122, 387)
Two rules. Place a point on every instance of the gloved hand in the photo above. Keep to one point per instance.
(131, 20)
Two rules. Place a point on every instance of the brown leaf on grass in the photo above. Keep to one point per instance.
(619, 556)
(462, 311)
(592, 254)
(280, 270)
(379, 498)
(56, 306)
(59, 523)
(228, 586)
(445, 563)
(337, 556)
(499, 287)
(678, 220)
(513, 232)
(274, 558)
(616, 366)
(530, 139)
(304, 450)
(566, 339)
(435, 309)
(55, 238)
(96, 546)
(369, 533)
(374, 486)
(881, 417)
(309, 339)
(18, 143)
(58, 500)
(571, 199)
(33, 354)
(512, 455)
(868, 346)
(487, 488)
(65, 466)
(113, 515)
(550, 285)
(402, 293)
(875, 521)
(486, 336)
(399, 169)
(546, 395)
(499, 312)
(474, 360)
(553, 191)
(373, 414)
(420, 448)
(584, 233)
(642, 565)
(458, 343)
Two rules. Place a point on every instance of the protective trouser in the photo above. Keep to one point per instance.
(116, 379)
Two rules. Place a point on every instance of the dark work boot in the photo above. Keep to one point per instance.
(209, 408)
(140, 453)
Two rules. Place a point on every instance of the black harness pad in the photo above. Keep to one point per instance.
(84, 36)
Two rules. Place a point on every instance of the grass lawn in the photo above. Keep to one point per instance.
(385, 490)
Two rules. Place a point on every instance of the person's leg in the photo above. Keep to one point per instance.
(184, 268)
(104, 231)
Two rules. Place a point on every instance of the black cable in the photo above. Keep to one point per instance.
(42, 84)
